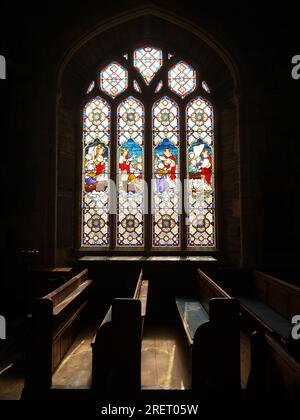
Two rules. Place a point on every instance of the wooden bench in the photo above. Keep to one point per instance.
(116, 347)
(270, 302)
(56, 321)
(211, 323)
(274, 373)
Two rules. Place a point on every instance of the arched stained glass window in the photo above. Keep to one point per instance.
(130, 173)
(200, 149)
(148, 158)
(166, 172)
(95, 173)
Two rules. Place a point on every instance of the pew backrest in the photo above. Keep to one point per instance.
(55, 322)
(207, 289)
(279, 295)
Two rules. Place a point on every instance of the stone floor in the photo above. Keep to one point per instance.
(165, 363)
(76, 368)
(11, 381)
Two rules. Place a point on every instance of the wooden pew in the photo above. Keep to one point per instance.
(274, 373)
(270, 302)
(116, 365)
(56, 322)
(211, 323)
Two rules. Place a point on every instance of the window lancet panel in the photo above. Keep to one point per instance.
(166, 174)
(130, 173)
(201, 187)
(95, 173)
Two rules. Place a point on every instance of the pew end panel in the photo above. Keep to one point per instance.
(55, 323)
(216, 352)
(274, 373)
(116, 348)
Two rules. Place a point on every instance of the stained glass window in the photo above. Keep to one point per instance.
(165, 199)
(130, 173)
(114, 79)
(148, 61)
(179, 140)
(95, 173)
(159, 86)
(201, 191)
(136, 86)
(182, 79)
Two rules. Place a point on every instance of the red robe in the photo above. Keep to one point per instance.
(125, 166)
(100, 167)
(171, 169)
(206, 172)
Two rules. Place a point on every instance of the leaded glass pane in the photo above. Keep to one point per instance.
(201, 187)
(166, 174)
(114, 79)
(148, 61)
(205, 86)
(95, 174)
(182, 79)
(91, 87)
(136, 86)
(159, 86)
(130, 177)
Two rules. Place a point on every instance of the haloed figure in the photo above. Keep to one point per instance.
(100, 166)
(206, 170)
(125, 167)
(166, 170)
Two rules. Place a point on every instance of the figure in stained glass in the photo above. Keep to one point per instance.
(96, 168)
(206, 169)
(130, 166)
(165, 170)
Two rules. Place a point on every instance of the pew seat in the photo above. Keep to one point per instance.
(266, 301)
(192, 314)
(272, 320)
(211, 324)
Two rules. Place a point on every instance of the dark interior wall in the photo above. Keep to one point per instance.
(258, 119)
